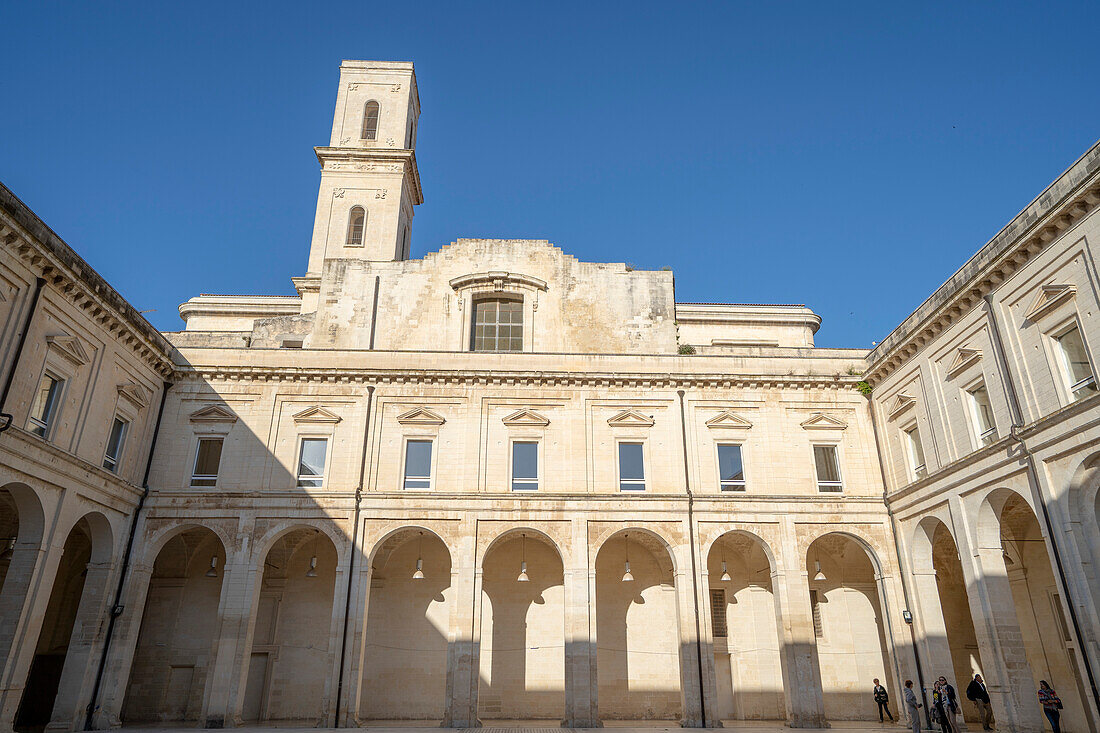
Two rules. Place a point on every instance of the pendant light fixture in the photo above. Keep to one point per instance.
(627, 577)
(312, 572)
(725, 573)
(523, 560)
(419, 573)
(212, 572)
(818, 575)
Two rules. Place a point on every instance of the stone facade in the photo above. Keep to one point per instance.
(500, 483)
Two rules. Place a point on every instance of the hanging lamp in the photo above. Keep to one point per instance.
(523, 560)
(818, 575)
(312, 572)
(419, 573)
(627, 577)
(212, 571)
(725, 573)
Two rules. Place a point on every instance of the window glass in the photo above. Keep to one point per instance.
(370, 121)
(357, 222)
(983, 415)
(498, 325)
(114, 444)
(730, 471)
(311, 462)
(718, 612)
(45, 405)
(418, 464)
(828, 468)
(916, 453)
(1076, 363)
(631, 467)
(525, 466)
(208, 458)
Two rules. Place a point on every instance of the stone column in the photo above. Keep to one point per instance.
(928, 623)
(706, 642)
(798, 644)
(1007, 672)
(225, 678)
(85, 646)
(347, 716)
(120, 657)
(581, 707)
(464, 641)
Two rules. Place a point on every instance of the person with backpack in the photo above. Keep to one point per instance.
(977, 694)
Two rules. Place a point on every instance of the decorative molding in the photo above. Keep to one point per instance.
(964, 357)
(901, 403)
(213, 413)
(1047, 299)
(135, 393)
(69, 347)
(728, 419)
(316, 414)
(526, 418)
(630, 419)
(420, 416)
(499, 281)
(821, 421)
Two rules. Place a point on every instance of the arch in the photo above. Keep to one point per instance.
(31, 514)
(262, 545)
(385, 545)
(531, 532)
(651, 540)
(990, 510)
(921, 541)
(371, 112)
(357, 227)
(101, 534)
(156, 540)
(773, 561)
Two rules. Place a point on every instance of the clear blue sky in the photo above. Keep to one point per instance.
(849, 157)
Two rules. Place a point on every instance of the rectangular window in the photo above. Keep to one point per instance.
(828, 468)
(718, 612)
(731, 473)
(631, 467)
(311, 462)
(208, 458)
(525, 466)
(115, 440)
(418, 464)
(1075, 363)
(916, 453)
(498, 325)
(982, 413)
(44, 409)
(815, 609)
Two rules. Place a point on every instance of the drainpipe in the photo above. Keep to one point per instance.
(904, 585)
(354, 544)
(5, 418)
(1037, 488)
(694, 573)
(117, 607)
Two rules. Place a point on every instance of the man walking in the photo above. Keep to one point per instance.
(913, 705)
(883, 699)
(976, 693)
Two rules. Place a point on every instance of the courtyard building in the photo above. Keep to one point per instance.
(501, 483)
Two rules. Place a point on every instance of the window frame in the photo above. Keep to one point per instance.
(48, 422)
(718, 445)
(912, 446)
(213, 478)
(497, 298)
(403, 476)
(989, 436)
(537, 481)
(117, 458)
(618, 466)
(354, 211)
(1063, 365)
(323, 478)
(377, 121)
(825, 487)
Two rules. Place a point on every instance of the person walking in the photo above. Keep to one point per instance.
(882, 698)
(977, 694)
(913, 706)
(950, 705)
(939, 704)
(1048, 698)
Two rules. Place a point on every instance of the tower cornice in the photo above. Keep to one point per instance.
(378, 160)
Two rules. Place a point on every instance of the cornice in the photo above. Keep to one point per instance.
(70, 277)
(258, 306)
(373, 160)
(1074, 195)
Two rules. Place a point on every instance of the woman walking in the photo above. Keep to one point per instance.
(939, 703)
(1048, 698)
(950, 705)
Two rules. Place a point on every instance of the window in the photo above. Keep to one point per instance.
(207, 460)
(815, 610)
(731, 474)
(916, 453)
(631, 467)
(45, 405)
(525, 466)
(982, 413)
(418, 464)
(498, 325)
(115, 440)
(1075, 363)
(828, 468)
(357, 224)
(311, 462)
(718, 612)
(370, 121)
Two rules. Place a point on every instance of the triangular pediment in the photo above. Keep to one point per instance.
(1048, 298)
(727, 419)
(420, 416)
(69, 347)
(821, 421)
(213, 413)
(964, 357)
(135, 393)
(526, 418)
(630, 419)
(902, 402)
(316, 414)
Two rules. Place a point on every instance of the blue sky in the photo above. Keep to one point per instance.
(849, 157)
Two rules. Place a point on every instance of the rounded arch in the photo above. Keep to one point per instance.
(269, 539)
(1084, 487)
(990, 511)
(371, 113)
(752, 537)
(862, 542)
(657, 545)
(513, 532)
(922, 540)
(101, 535)
(357, 226)
(398, 536)
(159, 538)
(31, 514)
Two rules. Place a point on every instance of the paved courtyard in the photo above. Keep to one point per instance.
(541, 727)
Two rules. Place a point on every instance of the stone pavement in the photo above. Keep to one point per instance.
(741, 726)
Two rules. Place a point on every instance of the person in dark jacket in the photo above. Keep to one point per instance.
(1052, 705)
(882, 697)
(977, 694)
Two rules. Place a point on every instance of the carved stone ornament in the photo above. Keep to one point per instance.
(338, 193)
(395, 88)
(821, 421)
(901, 403)
(964, 357)
(135, 393)
(526, 418)
(213, 413)
(630, 419)
(1048, 298)
(69, 347)
(728, 419)
(316, 414)
(420, 416)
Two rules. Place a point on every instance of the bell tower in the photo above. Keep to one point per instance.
(369, 179)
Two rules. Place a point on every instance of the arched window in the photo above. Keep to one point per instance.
(370, 121)
(357, 224)
(498, 325)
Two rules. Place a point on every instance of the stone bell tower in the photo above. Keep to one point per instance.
(369, 179)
